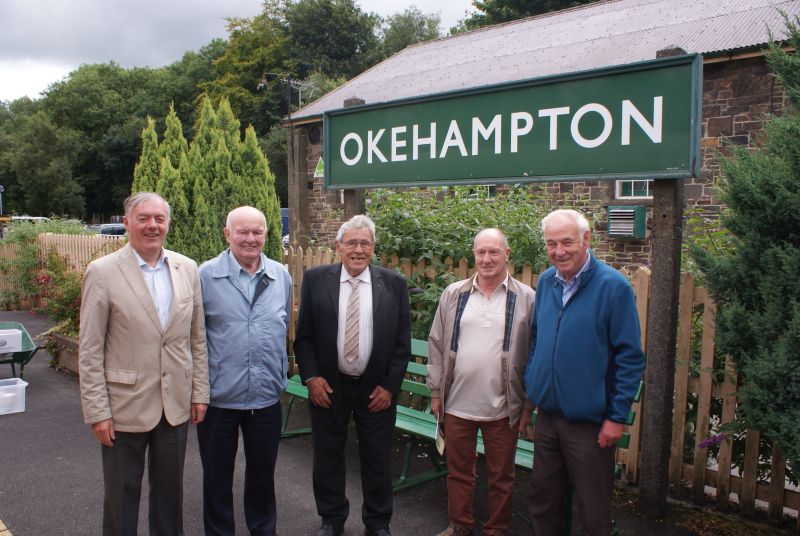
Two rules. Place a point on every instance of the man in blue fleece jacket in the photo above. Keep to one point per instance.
(583, 373)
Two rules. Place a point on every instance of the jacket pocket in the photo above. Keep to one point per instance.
(127, 377)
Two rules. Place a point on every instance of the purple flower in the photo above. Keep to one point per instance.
(415, 290)
(713, 441)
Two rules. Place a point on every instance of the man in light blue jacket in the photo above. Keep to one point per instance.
(247, 300)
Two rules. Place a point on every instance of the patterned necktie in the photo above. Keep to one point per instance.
(351, 324)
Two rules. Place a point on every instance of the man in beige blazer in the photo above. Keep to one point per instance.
(143, 367)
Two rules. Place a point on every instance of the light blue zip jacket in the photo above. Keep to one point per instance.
(247, 360)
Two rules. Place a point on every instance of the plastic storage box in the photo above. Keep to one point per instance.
(12, 396)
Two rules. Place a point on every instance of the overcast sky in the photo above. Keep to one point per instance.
(42, 41)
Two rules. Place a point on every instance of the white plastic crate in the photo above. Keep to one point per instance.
(12, 396)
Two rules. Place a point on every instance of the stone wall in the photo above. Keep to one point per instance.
(738, 96)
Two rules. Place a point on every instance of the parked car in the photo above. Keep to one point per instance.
(112, 229)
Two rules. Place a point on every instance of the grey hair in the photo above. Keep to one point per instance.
(495, 230)
(358, 221)
(576, 217)
(134, 200)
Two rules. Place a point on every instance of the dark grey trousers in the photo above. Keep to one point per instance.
(568, 452)
(123, 467)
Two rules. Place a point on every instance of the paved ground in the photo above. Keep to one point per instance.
(51, 482)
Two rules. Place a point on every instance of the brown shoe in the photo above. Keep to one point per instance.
(454, 529)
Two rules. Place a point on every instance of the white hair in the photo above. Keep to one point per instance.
(567, 213)
(357, 222)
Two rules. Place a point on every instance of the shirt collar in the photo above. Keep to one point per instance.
(162, 259)
(235, 264)
(503, 285)
(577, 276)
(363, 276)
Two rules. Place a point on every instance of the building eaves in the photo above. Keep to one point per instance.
(587, 37)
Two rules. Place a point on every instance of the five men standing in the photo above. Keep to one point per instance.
(477, 349)
(143, 368)
(584, 371)
(353, 342)
(247, 303)
(580, 339)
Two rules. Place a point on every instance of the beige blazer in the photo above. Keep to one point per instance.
(132, 370)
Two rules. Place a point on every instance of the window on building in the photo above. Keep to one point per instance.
(635, 189)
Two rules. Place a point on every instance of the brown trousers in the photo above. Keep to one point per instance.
(567, 451)
(500, 442)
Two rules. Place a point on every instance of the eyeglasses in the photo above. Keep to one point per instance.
(353, 244)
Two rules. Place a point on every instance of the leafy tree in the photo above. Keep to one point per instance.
(275, 146)
(497, 11)
(407, 28)
(334, 37)
(41, 157)
(757, 283)
(256, 47)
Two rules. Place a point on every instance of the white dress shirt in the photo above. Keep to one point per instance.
(159, 282)
(357, 366)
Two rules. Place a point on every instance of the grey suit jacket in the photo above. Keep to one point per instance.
(132, 370)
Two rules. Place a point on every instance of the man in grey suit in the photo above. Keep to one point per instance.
(143, 368)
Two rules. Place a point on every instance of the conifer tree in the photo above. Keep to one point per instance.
(174, 144)
(205, 179)
(171, 188)
(757, 283)
(259, 183)
(148, 169)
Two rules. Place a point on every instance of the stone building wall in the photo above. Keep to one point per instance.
(738, 96)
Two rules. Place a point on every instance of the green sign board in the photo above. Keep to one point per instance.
(635, 121)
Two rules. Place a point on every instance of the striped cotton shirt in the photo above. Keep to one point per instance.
(570, 287)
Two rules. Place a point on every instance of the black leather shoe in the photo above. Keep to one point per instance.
(328, 530)
(379, 532)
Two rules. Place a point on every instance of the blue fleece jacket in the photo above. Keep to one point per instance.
(587, 360)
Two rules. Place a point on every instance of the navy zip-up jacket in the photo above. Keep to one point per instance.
(586, 361)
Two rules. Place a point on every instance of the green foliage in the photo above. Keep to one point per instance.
(41, 155)
(61, 289)
(497, 11)
(275, 146)
(24, 271)
(148, 169)
(407, 28)
(217, 172)
(757, 284)
(334, 37)
(256, 47)
(443, 223)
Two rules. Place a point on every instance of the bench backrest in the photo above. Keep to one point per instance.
(414, 391)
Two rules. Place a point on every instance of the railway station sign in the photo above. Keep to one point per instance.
(640, 120)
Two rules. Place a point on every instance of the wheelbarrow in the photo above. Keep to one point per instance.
(22, 357)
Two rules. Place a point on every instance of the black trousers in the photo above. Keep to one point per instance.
(218, 439)
(123, 468)
(329, 428)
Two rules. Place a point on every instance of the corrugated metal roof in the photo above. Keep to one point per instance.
(588, 37)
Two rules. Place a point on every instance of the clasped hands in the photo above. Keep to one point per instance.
(319, 392)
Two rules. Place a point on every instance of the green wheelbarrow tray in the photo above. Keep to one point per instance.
(22, 357)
